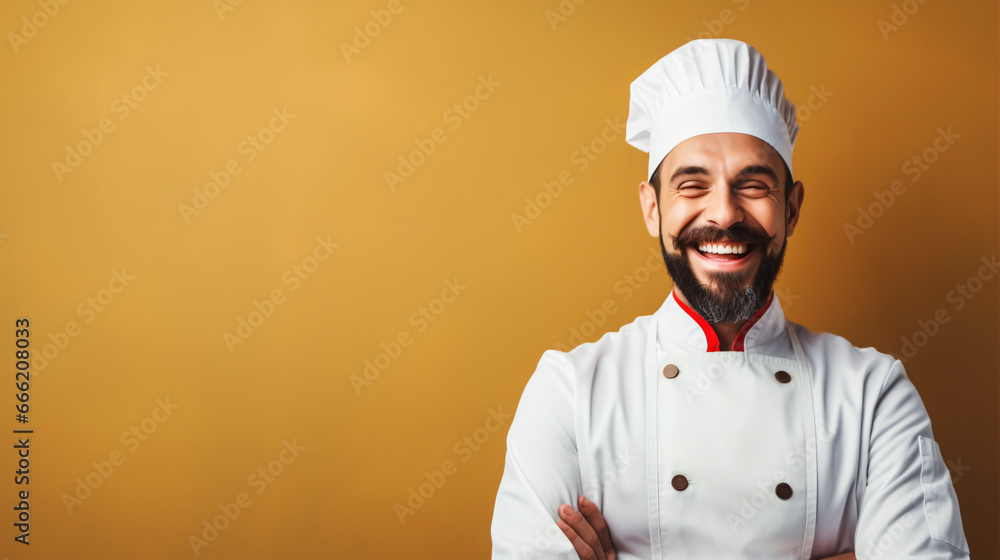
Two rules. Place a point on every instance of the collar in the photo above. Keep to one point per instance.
(678, 321)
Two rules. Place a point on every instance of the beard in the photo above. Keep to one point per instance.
(733, 299)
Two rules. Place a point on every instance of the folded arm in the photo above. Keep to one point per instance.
(909, 508)
(587, 530)
(541, 468)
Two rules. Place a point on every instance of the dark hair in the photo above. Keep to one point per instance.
(655, 181)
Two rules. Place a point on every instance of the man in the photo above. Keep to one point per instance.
(715, 428)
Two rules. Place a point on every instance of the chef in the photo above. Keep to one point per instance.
(715, 427)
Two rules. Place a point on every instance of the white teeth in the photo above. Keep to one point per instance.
(720, 249)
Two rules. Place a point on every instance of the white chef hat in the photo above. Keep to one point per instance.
(706, 86)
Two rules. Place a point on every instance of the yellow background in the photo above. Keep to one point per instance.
(323, 175)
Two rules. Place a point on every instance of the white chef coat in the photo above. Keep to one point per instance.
(795, 445)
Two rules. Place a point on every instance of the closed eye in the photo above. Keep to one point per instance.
(754, 189)
(691, 188)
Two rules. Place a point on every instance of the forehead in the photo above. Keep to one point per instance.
(729, 151)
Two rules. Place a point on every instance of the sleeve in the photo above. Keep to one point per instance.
(909, 508)
(541, 467)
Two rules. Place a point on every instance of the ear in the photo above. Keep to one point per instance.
(793, 207)
(648, 203)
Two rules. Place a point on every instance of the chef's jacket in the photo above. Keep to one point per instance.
(794, 445)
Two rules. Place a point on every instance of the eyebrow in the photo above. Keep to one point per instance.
(758, 170)
(690, 170)
(748, 170)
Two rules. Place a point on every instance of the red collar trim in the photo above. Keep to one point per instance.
(713, 339)
(740, 336)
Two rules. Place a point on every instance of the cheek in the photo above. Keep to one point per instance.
(677, 217)
(769, 217)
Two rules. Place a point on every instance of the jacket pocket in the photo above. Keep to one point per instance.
(940, 500)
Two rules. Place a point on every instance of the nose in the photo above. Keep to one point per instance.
(723, 208)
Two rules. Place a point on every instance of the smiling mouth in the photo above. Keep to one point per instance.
(726, 251)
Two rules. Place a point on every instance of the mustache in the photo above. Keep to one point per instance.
(738, 232)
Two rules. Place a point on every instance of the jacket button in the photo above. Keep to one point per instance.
(783, 491)
(679, 482)
(670, 372)
(783, 377)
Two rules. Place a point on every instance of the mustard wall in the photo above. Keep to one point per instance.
(287, 265)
